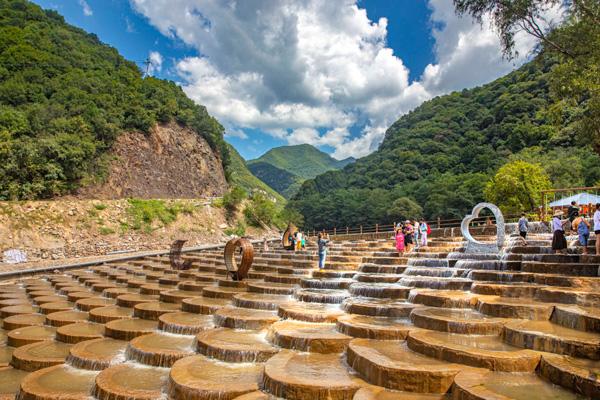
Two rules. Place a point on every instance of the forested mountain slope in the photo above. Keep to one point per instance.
(65, 97)
(438, 158)
(285, 168)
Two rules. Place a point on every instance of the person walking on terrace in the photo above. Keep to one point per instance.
(417, 231)
(399, 237)
(597, 228)
(425, 230)
(559, 243)
(583, 231)
(322, 243)
(409, 234)
(523, 227)
(298, 241)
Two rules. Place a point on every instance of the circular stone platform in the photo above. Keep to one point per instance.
(154, 309)
(105, 314)
(234, 345)
(260, 301)
(131, 299)
(79, 331)
(444, 298)
(57, 382)
(457, 320)
(501, 385)
(475, 350)
(61, 318)
(576, 374)
(204, 305)
(378, 393)
(380, 290)
(197, 377)
(299, 376)
(29, 334)
(40, 355)
(378, 307)
(392, 365)
(9, 311)
(129, 328)
(97, 354)
(244, 318)
(184, 323)
(382, 328)
(127, 381)
(308, 336)
(23, 320)
(329, 296)
(504, 307)
(310, 312)
(93, 302)
(160, 349)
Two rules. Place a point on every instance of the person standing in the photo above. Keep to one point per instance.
(400, 241)
(523, 227)
(322, 243)
(559, 243)
(298, 241)
(573, 211)
(409, 234)
(417, 233)
(583, 231)
(597, 227)
(303, 241)
(424, 231)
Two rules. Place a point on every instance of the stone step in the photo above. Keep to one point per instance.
(576, 269)
(575, 317)
(379, 290)
(393, 365)
(457, 320)
(506, 307)
(369, 327)
(576, 374)
(553, 338)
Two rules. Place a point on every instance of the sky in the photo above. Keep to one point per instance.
(332, 73)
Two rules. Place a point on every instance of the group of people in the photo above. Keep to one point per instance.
(298, 241)
(409, 235)
(575, 222)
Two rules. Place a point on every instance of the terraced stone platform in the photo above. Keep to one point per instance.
(433, 324)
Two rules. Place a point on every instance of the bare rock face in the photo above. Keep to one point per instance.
(171, 162)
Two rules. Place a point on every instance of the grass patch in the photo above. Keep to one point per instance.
(148, 215)
(104, 230)
(100, 206)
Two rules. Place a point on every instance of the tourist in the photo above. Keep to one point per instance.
(583, 231)
(417, 233)
(293, 241)
(597, 228)
(559, 243)
(523, 227)
(399, 237)
(303, 242)
(572, 213)
(425, 231)
(322, 243)
(409, 234)
(299, 237)
(265, 244)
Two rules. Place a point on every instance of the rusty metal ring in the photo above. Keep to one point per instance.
(289, 232)
(238, 273)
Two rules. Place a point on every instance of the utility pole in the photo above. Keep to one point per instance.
(147, 63)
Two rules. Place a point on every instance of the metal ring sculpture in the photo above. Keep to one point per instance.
(289, 232)
(175, 256)
(245, 248)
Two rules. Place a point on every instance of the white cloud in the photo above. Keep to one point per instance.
(155, 61)
(129, 26)
(87, 10)
(295, 68)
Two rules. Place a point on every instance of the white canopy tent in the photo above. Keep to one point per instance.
(579, 198)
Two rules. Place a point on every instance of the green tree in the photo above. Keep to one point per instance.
(233, 199)
(517, 187)
(403, 209)
(260, 211)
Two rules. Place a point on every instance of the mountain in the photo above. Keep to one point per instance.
(437, 159)
(242, 177)
(285, 168)
(65, 101)
(303, 160)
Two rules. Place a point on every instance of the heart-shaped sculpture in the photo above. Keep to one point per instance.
(474, 246)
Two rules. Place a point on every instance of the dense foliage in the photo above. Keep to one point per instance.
(65, 97)
(442, 154)
(285, 168)
(517, 187)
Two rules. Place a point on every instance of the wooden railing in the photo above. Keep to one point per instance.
(434, 224)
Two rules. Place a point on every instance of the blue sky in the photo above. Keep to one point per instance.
(294, 71)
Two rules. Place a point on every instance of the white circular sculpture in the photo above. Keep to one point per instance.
(474, 246)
